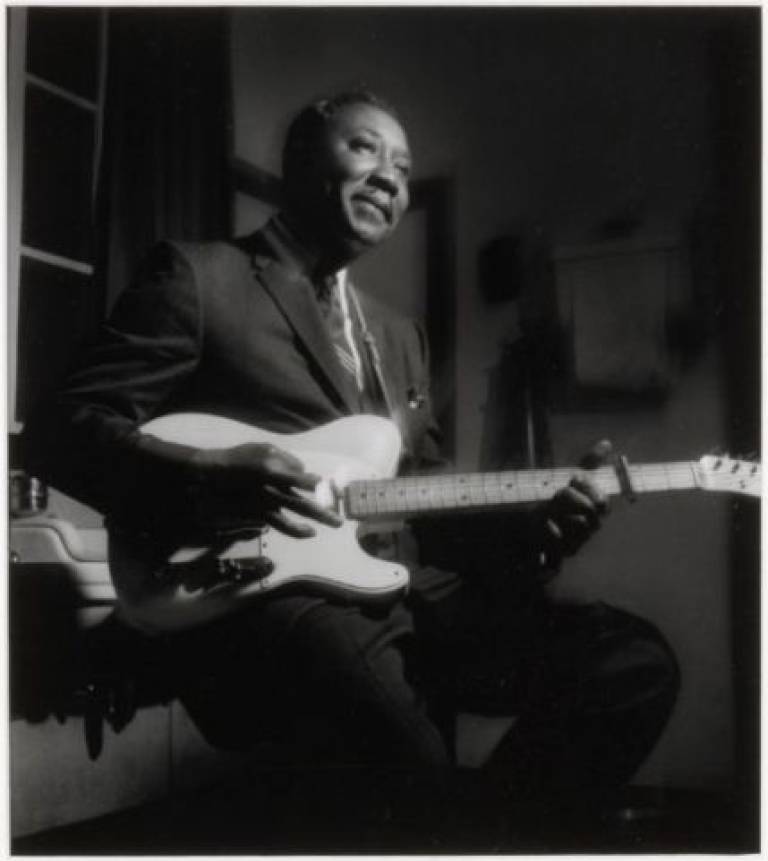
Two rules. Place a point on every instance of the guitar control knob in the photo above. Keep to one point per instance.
(263, 566)
(247, 569)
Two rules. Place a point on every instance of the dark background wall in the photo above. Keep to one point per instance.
(569, 127)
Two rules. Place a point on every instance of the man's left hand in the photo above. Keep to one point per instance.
(574, 513)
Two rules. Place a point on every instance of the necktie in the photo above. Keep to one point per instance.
(335, 308)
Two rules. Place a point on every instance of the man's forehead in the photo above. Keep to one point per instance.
(363, 116)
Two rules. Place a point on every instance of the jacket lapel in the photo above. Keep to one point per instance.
(292, 293)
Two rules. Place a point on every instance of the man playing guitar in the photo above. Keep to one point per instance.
(268, 331)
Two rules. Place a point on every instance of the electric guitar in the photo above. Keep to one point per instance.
(161, 589)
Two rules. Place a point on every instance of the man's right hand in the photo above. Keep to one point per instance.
(258, 483)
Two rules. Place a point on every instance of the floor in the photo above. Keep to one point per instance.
(276, 816)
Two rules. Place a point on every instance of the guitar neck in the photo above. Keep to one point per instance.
(415, 495)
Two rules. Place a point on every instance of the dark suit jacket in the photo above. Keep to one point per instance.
(226, 328)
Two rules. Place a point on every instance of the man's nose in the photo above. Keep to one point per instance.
(384, 176)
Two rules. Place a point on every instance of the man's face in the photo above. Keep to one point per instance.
(363, 170)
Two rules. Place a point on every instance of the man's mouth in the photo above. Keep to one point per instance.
(384, 210)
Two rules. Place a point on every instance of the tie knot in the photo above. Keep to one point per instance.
(327, 289)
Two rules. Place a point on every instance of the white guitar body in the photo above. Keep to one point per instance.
(367, 447)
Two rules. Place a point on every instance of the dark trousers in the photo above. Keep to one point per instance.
(591, 686)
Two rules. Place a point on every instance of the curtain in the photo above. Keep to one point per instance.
(167, 135)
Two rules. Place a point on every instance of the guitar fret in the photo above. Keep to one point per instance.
(413, 494)
(474, 490)
(660, 477)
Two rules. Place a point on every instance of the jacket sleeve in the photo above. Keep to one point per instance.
(86, 442)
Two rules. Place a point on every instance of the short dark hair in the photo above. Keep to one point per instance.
(308, 125)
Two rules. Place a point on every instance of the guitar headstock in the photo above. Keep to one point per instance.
(721, 473)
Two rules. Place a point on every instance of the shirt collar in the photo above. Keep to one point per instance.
(290, 250)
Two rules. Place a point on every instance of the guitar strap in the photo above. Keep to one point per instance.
(374, 358)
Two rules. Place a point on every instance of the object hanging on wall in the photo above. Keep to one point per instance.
(615, 301)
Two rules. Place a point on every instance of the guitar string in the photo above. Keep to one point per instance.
(476, 489)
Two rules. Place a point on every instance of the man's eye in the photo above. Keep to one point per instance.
(362, 145)
(403, 169)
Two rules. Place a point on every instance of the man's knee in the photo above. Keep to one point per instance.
(361, 680)
(635, 659)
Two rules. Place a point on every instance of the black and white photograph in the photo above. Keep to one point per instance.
(383, 410)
